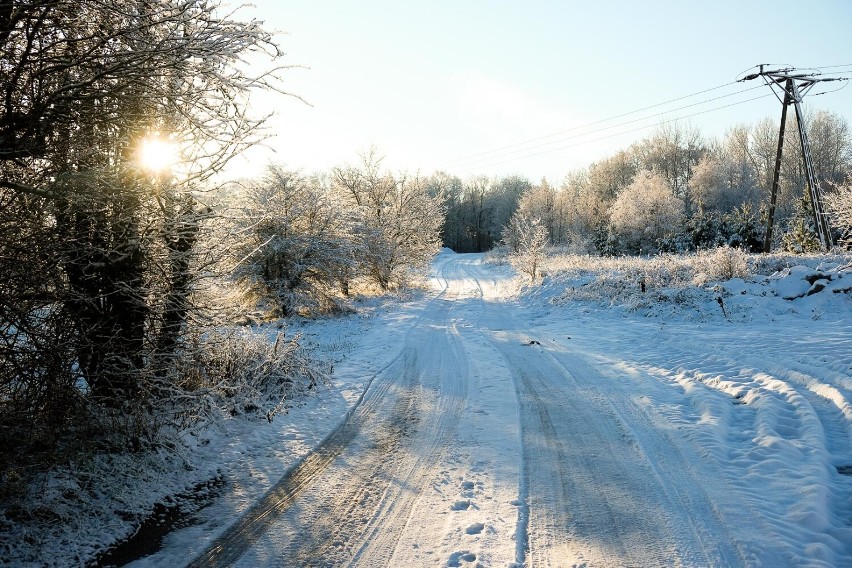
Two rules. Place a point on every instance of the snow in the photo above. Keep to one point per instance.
(480, 423)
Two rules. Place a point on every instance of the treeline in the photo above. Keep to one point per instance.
(672, 191)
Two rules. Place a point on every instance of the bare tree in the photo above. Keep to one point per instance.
(478, 209)
(83, 84)
(398, 221)
(289, 243)
(526, 238)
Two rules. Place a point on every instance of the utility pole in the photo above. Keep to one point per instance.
(795, 86)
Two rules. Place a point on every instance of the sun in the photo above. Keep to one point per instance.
(157, 153)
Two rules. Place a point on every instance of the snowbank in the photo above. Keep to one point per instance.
(695, 288)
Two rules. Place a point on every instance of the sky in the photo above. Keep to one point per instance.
(538, 88)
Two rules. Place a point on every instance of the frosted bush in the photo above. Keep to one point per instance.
(665, 271)
(723, 263)
(839, 204)
(644, 213)
(246, 372)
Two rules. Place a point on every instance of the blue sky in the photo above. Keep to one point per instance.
(432, 83)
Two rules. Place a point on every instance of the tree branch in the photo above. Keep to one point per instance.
(21, 188)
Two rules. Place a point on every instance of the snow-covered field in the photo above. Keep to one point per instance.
(582, 422)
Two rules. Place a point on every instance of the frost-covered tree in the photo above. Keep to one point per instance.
(526, 239)
(539, 203)
(398, 221)
(477, 209)
(830, 138)
(725, 177)
(644, 213)
(672, 151)
(83, 83)
(839, 205)
(290, 243)
(451, 189)
(583, 212)
(505, 196)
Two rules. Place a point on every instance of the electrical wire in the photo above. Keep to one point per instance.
(536, 139)
(840, 88)
(534, 154)
(485, 156)
(503, 154)
(831, 66)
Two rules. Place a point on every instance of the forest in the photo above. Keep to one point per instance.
(129, 291)
(673, 191)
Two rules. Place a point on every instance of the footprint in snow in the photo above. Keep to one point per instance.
(475, 528)
(461, 505)
(456, 558)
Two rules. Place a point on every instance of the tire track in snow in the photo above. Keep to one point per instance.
(227, 548)
(378, 541)
(691, 516)
(599, 484)
(349, 500)
(786, 422)
(588, 494)
(468, 516)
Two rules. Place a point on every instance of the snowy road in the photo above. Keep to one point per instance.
(494, 435)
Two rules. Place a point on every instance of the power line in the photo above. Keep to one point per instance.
(473, 161)
(831, 66)
(503, 154)
(494, 163)
(536, 139)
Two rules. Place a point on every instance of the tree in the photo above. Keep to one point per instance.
(398, 222)
(726, 176)
(839, 205)
(451, 189)
(76, 72)
(673, 152)
(479, 210)
(831, 146)
(608, 177)
(526, 238)
(504, 195)
(721, 183)
(644, 213)
(289, 242)
(540, 203)
(83, 84)
(585, 213)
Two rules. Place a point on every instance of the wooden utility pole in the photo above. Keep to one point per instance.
(773, 199)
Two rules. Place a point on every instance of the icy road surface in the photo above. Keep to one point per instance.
(496, 435)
